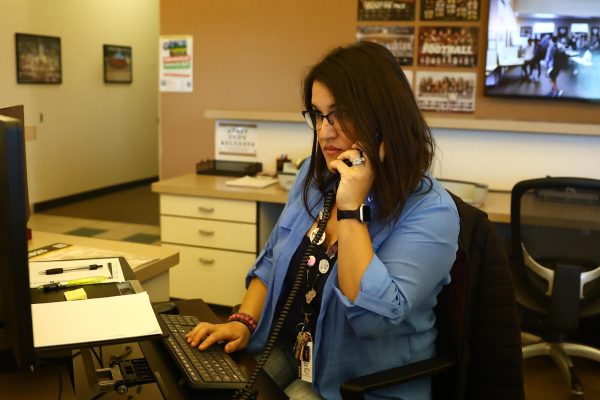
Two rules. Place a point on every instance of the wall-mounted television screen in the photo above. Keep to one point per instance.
(544, 49)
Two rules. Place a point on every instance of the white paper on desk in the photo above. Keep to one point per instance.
(93, 320)
(253, 182)
(36, 278)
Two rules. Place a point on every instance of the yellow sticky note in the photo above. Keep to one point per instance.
(77, 294)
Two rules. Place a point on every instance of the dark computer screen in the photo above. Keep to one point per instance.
(16, 335)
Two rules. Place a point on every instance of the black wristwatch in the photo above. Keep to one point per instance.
(363, 214)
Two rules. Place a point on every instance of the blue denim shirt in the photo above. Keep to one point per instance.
(391, 321)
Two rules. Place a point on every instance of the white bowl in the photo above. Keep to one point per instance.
(470, 192)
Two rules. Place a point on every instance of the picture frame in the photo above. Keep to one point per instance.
(117, 64)
(38, 59)
(390, 10)
(450, 10)
(526, 31)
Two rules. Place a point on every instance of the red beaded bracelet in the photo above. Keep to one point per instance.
(245, 319)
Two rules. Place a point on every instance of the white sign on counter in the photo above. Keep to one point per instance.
(237, 139)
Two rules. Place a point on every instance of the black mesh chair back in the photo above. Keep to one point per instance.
(555, 239)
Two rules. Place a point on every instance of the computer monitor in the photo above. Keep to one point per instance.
(16, 334)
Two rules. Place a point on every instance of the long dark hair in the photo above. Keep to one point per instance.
(374, 103)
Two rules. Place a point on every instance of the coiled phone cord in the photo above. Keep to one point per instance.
(249, 392)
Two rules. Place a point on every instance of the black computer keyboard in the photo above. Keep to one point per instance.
(208, 369)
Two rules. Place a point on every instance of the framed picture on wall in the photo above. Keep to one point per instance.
(38, 59)
(447, 46)
(445, 91)
(450, 10)
(526, 31)
(386, 10)
(117, 64)
(398, 39)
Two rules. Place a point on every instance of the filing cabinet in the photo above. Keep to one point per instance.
(216, 239)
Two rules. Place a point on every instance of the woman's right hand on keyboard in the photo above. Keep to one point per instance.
(205, 335)
(236, 334)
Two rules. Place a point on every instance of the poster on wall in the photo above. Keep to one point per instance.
(445, 46)
(450, 10)
(386, 10)
(176, 63)
(446, 91)
(38, 59)
(117, 64)
(398, 39)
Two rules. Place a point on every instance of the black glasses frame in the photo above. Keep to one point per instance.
(314, 119)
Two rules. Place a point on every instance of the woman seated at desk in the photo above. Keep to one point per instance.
(365, 302)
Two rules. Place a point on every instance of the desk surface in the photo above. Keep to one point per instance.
(169, 378)
(161, 258)
(496, 204)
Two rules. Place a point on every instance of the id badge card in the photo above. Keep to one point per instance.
(306, 364)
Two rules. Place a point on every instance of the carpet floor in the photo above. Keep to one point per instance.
(138, 205)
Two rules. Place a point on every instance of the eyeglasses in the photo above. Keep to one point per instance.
(314, 119)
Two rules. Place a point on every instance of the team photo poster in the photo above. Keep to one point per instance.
(446, 91)
(386, 10)
(445, 46)
(399, 40)
(450, 10)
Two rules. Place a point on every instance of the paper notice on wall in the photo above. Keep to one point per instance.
(237, 139)
(176, 63)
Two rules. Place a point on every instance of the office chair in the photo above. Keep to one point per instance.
(478, 345)
(555, 230)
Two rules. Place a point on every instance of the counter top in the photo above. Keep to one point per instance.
(214, 186)
(162, 258)
(495, 204)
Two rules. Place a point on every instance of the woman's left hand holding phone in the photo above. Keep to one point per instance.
(355, 179)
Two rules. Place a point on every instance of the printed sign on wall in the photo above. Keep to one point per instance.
(176, 64)
(386, 10)
(445, 46)
(446, 91)
(398, 39)
(450, 10)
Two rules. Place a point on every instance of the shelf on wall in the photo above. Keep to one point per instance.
(559, 128)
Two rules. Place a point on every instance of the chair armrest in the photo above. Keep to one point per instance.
(355, 388)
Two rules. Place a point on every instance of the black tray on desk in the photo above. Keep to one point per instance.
(228, 168)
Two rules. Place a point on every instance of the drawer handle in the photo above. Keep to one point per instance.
(206, 261)
(206, 209)
(205, 232)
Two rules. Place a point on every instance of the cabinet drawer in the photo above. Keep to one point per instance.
(208, 233)
(216, 276)
(209, 208)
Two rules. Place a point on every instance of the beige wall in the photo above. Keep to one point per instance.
(250, 56)
(93, 134)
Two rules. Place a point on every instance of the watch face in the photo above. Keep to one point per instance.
(365, 213)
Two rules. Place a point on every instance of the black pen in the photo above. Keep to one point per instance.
(54, 271)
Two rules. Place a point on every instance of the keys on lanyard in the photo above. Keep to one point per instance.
(303, 351)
